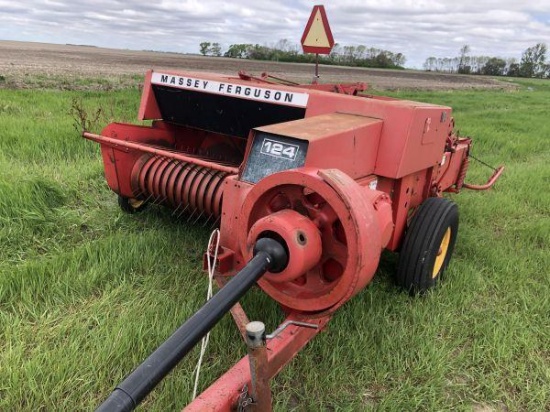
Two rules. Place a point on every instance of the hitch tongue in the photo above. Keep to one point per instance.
(269, 254)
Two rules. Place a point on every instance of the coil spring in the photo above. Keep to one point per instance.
(185, 187)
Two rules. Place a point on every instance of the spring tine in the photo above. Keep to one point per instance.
(191, 215)
(182, 212)
(215, 224)
(185, 186)
(176, 209)
(209, 216)
(198, 217)
(155, 201)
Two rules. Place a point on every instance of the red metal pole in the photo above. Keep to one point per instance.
(124, 144)
(257, 356)
(237, 311)
(315, 80)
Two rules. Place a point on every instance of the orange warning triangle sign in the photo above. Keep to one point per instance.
(317, 37)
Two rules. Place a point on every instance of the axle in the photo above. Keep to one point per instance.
(268, 255)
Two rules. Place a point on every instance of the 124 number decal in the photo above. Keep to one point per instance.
(279, 149)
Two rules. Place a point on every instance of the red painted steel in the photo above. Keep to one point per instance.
(223, 394)
(142, 147)
(492, 180)
(162, 180)
(356, 169)
(348, 225)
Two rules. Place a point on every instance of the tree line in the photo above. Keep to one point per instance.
(286, 51)
(532, 63)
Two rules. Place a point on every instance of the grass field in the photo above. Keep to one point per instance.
(87, 292)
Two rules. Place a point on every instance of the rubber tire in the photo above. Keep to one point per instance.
(126, 205)
(423, 239)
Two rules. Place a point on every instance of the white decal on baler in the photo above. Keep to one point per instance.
(279, 149)
(230, 89)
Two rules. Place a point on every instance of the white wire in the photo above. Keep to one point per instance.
(211, 269)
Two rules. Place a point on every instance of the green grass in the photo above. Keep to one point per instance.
(87, 292)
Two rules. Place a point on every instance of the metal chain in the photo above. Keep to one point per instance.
(244, 399)
(482, 162)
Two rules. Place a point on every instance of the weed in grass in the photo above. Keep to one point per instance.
(83, 120)
(86, 292)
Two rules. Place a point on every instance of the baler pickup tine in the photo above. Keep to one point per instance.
(215, 224)
(182, 211)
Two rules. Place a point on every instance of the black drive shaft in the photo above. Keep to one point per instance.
(269, 254)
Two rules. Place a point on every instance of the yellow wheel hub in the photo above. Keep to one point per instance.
(136, 203)
(442, 252)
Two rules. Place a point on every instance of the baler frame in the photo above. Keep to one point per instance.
(332, 218)
(236, 388)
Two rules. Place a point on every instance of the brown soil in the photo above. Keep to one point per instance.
(25, 65)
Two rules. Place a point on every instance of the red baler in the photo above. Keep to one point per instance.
(307, 183)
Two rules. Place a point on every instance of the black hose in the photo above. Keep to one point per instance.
(269, 255)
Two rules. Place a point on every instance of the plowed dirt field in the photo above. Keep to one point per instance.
(29, 65)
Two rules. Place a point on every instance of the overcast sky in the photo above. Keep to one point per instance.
(416, 28)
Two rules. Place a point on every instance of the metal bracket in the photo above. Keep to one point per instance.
(286, 324)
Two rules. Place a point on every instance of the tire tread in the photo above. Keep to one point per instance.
(433, 214)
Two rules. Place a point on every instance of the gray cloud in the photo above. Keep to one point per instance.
(417, 28)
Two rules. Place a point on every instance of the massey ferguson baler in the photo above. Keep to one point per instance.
(307, 183)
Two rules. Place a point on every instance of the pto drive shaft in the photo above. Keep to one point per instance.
(268, 255)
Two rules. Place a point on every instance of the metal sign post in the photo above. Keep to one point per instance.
(317, 37)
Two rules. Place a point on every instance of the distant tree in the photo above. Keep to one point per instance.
(360, 52)
(509, 62)
(533, 61)
(483, 60)
(464, 50)
(284, 45)
(445, 64)
(204, 48)
(372, 52)
(441, 63)
(284, 50)
(399, 59)
(216, 50)
(238, 51)
(430, 64)
(477, 63)
(336, 52)
(466, 65)
(258, 52)
(494, 67)
(349, 53)
(383, 60)
(513, 70)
